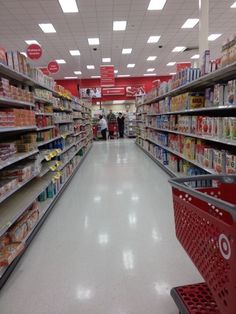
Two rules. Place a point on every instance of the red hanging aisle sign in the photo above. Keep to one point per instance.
(53, 67)
(34, 51)
(107, 75)
(45, 71)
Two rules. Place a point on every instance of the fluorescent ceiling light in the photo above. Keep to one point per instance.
(170, 64)
(60, 61)
(126, 51)
(77, 72)
(172, 73)
(93, 41)
(233, 6)
(106, 59)
(130, 65)
(24, 53)
(119, 25)
(31, 41)
(75, 52)
(95, 76)
(150, 70)
(70, 77)
(195, 56)
(179, 49)
(47, 28)
(151, 58)
(213, 37)
(153, 39)
(190, 23)
(150, 74)
(156, 4)
(123, 75)
(116, 71)
(90, 67)
(118, 102)
(69, 6)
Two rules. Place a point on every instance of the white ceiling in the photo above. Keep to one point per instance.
(19, 21)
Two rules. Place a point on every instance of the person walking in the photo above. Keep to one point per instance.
(121, 124)
(103, 125)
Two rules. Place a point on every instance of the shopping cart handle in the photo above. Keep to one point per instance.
(179, 183)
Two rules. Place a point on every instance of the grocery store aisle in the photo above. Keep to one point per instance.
(109, 245)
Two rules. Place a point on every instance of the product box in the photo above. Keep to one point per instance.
(226, 128)
(232, 126)
(208, 158)
(207, 126)
(9, 252)
(209, 97)
(3, 58)
(230, 93)
(219, 161)
(230, 164)
(218, 97)
(189, 148)
(218, 127)
(195, 101)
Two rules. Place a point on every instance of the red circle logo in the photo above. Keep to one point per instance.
(34, 51)
(53, 67)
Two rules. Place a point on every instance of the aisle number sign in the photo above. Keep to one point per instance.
(53, 67)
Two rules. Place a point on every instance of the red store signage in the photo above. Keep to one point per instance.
(182, 66)
(113, 91)
(45, 71)
(53, 67)
(34, 51)
(107, 75)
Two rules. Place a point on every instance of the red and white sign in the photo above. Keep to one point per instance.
(45, 71)
(133, 91)
(53, 67)
(34, 51)
(182, 66)
(113, 91)
(107, 75)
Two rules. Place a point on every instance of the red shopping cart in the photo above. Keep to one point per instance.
(205, 221)
(113, 129)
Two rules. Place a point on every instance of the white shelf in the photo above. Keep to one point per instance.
(15, 103)
(224, 74)
(62, 110)
(17, 129)
(43, 100)
(72, 156)
(48, 141)
(45, 128)
(182, 156)
(17, 157)
(44, 114)
(76, 134)
(66, 149)
(203, 137)
(12, 208)
(19, 186)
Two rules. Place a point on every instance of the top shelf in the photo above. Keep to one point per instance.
(219, 76)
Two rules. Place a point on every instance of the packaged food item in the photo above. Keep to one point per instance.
(189, 148)
(230, 93)
(232, 122)
(209, 97)
(230, 164)
(9, 252)
(218, 127)
(218, 96)
(226, 128)
(219, 161)
(18, 232)
(208, 158)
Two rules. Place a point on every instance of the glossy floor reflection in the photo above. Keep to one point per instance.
(109, 245)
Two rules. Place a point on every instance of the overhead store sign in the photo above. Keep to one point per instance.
(34, 51)
(182, 66)
(113, 91)
(53, 67)
(45, 71)
(107, 75)
(88, 92)
(133, 91)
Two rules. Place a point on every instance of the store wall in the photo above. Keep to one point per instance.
(147, 82)
(115, 108)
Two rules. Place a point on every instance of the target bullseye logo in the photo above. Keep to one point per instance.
(224, 246)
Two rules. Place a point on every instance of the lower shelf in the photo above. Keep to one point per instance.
(48, 205)
(163, 167)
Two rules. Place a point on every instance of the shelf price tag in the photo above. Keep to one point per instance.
(64, 136)
(58, 150)
(48, 157)
(62, 108)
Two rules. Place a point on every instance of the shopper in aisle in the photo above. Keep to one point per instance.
(103, 124)
(121, 124)
(111, 118)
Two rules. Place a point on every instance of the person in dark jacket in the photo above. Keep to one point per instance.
(121, 124)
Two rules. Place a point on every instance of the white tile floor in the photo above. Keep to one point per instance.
(109, 245)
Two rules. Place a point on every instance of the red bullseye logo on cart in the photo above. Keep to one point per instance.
(53, 67)
(224, 246)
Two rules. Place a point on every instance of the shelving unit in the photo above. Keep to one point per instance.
(148, 121)
(130, 125)
(16, 201)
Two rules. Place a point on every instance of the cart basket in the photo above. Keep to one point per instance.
(205, 222)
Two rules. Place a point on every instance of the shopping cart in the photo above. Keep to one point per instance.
(113, 129)
(205, 221)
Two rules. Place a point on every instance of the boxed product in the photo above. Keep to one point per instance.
(232, 126)
(226, 128)
(207, 126)
(218, 95)
(219, 161)
(217, 127)
(7, 150)
(189, 148)
(9, 252)
(230, 93)
(230, 164)
(20, 172)
(7, 185)
(209, 97)
(208, 158)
